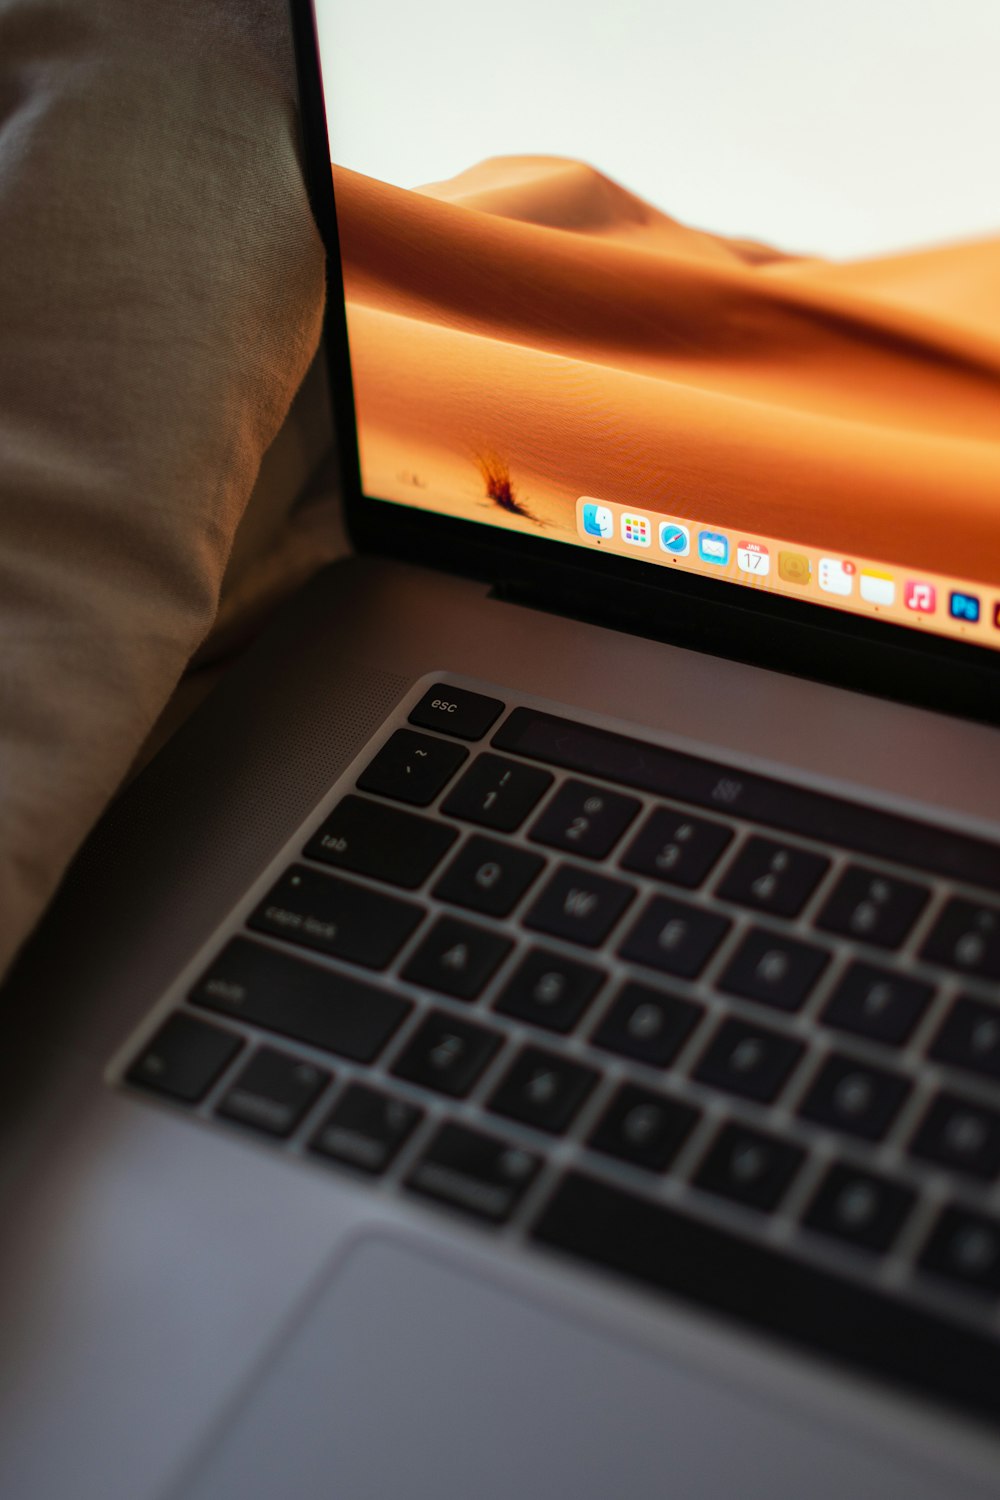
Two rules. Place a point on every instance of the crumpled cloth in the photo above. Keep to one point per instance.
(161, 296)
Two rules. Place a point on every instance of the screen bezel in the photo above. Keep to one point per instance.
(792, 636)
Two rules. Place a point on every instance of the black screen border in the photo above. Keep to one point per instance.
(804, 639)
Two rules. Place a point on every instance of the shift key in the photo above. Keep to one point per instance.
(337, 916)
(324, 1009)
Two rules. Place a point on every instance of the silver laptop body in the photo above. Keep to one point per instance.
(390, 1112)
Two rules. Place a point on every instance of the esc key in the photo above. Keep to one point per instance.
(452, 710)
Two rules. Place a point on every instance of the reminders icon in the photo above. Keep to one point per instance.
(836, 577)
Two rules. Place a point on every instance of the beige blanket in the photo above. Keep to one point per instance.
(161, 285)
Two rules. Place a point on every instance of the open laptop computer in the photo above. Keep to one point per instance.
(535, 1030)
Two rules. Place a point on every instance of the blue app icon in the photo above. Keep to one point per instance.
(598, 521)
(964, 607)
(675, 538)
(713, 547)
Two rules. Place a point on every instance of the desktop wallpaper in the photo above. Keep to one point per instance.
(695, 261)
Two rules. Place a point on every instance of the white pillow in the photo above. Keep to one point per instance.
(161, 290)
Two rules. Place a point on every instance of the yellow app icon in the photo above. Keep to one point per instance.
(794, 567)
(877, 588)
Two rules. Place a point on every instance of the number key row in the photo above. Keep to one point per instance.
(671, 846)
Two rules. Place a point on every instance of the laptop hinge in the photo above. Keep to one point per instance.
(892, 670)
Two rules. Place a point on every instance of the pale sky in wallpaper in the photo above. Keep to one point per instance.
(846, 129)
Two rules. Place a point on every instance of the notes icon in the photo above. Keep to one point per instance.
(876, 587)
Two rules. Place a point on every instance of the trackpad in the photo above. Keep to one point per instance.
(408, 1379)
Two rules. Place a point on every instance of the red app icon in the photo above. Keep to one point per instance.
(920, 596)
(996, 614)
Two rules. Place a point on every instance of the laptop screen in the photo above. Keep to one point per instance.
(712, 285)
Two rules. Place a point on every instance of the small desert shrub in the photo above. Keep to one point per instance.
(500, 489)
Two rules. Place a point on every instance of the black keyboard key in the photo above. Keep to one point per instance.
(964, 1248)
(647, 1024)
(452, 710)
(677, 848)
(412, 767)
(474, 1172)
(877, 1004)
(550, 990)
(749, 1167)
(579, 905)
(854, 1098)
(960, 1134)
(337, 917)
(646, 767)
(184, 1058)
(969, 1038)
(324, 1009)
(385, 843)
(457, 959)
(860, 1208)
(543, 1089)
(966, 937)
(764, 1287)
(773, 970)
(273, 1092)
(749, 1060)
(366, 1128)
(675, 937)
(643, 1128)
(447, 1054)
(488, 876)
(497, 793)
(773, 877)
(585, 819)
(872, 907)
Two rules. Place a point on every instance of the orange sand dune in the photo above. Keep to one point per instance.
(533, 308)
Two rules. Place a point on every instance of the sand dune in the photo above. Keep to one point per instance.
(533, 308)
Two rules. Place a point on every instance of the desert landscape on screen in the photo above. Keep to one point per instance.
(529, 332)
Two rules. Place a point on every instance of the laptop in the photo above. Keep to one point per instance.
(534, 1030)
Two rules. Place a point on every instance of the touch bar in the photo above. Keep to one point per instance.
(668, 773)
(782, 1296)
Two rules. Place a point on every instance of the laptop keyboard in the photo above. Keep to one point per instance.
(734, 1039)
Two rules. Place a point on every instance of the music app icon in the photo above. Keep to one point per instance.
(921, 597)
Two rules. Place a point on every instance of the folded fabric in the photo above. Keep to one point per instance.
(161, 291)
